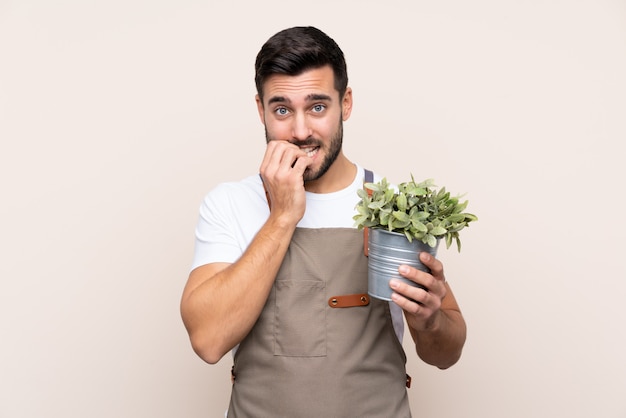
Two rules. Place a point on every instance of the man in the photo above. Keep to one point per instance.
(274, 249)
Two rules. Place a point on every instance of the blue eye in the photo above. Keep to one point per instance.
(319, 108)
(281, 111)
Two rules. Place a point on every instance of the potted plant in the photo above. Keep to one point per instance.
(401, 222)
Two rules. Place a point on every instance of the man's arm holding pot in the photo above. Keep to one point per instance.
(436, 323)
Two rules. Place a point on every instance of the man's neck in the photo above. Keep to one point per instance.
(339, 176)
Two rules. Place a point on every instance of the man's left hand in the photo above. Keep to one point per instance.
(421, 306)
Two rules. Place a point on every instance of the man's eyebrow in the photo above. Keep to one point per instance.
(310, 98)
(278, 99)
(315, 97)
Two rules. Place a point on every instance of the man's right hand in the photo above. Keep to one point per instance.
(282, 171)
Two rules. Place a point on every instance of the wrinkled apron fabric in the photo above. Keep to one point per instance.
(304, 358)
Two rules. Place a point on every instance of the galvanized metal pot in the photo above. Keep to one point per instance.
(387, 251)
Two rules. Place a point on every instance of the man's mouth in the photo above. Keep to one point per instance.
(310, 151)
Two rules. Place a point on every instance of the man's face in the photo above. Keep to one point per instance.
(306, 110)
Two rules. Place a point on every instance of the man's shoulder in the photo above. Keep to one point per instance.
(239, 192)
(248, 184)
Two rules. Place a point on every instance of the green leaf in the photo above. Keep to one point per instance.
(431, 240)
(457, 217)
(362, 210)
(438, 231)
(469, 217)
(401, 216)
(375, 187)
(362, 193)
(376, 205)
(418, 225)
(401, 202)
(416, 191)
(461, 207)
(456, 227)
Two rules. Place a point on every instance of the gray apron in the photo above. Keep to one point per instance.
(321, 347)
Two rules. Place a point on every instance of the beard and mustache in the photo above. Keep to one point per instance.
(330, 153)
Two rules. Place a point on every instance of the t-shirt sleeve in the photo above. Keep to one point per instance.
(214, 237)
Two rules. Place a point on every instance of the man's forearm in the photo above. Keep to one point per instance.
(442, 344)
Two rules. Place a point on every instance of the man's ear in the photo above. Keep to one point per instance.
(346, 104)
(260, 108)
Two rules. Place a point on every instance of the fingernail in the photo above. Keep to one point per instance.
(403, 269)
(393, 283)
(425, 256)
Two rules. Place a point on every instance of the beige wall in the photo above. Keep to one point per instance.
(117, 117)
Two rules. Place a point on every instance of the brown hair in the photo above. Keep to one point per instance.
(295, 50)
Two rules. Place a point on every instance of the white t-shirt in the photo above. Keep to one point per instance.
(232, 213)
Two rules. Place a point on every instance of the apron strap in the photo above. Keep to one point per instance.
(369, 178)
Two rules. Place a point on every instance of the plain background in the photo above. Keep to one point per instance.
(116, 117)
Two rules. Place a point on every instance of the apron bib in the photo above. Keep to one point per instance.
(321, 347)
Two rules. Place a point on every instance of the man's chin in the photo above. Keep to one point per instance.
(311, 174)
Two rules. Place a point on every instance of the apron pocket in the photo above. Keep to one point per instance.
(300, 318)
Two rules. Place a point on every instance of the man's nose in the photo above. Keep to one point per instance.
(300, 129)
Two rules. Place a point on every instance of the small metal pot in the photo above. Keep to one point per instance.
(387, 251)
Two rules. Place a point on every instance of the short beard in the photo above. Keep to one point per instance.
(334, 149)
